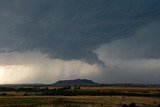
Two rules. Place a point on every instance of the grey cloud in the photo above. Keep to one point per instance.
(71, 29)
(135, 59)
(145, 44)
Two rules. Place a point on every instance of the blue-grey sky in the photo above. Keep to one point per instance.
(103, 40)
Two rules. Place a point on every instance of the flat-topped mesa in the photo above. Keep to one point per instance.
(74, 82)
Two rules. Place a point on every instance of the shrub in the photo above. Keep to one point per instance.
(26, 94)
(124, 105)
(132, 105)
(3, 94)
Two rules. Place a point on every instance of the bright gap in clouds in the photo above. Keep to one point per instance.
(11, 74)
(2, 70)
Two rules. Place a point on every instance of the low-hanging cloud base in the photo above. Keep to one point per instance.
(35, 67)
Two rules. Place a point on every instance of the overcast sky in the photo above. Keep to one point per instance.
(108, 41)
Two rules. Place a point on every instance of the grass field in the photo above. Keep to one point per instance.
(110, 101)
(18, 98)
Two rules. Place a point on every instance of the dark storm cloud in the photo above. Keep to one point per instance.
(71, 29)
(135, 59)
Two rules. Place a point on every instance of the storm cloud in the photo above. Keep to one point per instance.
(70, 29)
(135, 59)
(83, 31)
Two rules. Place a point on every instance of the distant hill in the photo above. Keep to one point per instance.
(75, 82)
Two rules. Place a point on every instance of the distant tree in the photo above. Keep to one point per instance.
(124, 105)
(132, 105)
(47, 88)
(3, 94)
(78, 87)
(25, 94)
